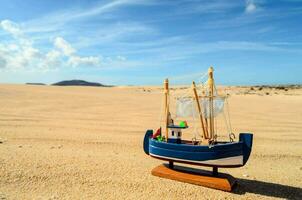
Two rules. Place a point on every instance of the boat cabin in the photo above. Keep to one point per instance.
(175, 133)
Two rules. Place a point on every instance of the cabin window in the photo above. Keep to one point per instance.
(178, 134)
(172, 133)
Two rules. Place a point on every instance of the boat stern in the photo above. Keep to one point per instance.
(247, 139)
(148, 134)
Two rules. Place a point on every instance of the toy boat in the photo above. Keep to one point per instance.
(207, 151)
(220, 154)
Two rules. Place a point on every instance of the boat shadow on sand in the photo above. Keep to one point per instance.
(244, 186)
(267, 189)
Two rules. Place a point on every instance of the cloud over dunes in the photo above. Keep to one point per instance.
(11, 27)
(145, 38)
(64, 46)
(19, 52)
(73, 59)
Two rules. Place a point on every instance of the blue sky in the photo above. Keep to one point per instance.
(141, 42)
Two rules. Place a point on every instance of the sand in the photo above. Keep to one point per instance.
(86, 143)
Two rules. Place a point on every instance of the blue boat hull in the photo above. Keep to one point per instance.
(222, 154)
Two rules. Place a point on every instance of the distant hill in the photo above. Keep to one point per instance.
(35, 84)
(79, 83)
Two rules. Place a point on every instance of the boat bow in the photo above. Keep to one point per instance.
(247, 139)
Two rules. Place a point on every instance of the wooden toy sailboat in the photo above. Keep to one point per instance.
(207, 151)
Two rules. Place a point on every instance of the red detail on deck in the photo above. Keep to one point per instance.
(158, 132)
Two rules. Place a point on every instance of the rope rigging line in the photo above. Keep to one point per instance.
(228, 112)
(183, 100)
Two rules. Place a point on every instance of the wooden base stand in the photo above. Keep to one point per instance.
(204, 178)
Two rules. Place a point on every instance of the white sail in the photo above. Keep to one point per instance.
(186, 107)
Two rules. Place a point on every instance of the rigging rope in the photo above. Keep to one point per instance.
(186, 95)
(229, 117)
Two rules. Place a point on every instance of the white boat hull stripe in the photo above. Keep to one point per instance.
(235, 160)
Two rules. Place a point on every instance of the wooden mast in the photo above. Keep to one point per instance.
(203, 125)
(166, 91)
(211, 101)
(205, 118)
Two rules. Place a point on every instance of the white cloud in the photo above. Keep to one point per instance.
(53, 55)
(73, 59)
(76, 61)
(52, 60)
(31, 53)
(250, 6)
(63, 45)
(12, 47)
(3, 62)
(20, 53)
(121, 58)
(11, 27)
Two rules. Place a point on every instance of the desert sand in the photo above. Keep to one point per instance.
(86, 143)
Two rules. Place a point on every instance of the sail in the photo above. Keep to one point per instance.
(186, 107)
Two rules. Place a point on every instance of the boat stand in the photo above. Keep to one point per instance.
(204, 178)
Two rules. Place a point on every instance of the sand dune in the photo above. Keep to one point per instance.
(86, 142)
